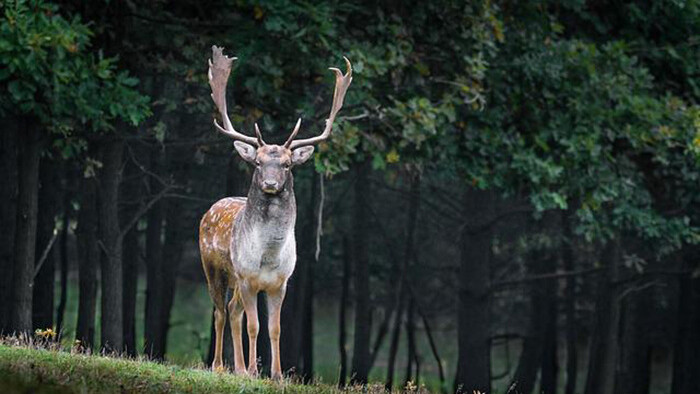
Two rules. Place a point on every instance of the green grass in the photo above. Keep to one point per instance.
(24, 369)
(189, 336)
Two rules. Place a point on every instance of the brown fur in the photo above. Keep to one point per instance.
(214, 244)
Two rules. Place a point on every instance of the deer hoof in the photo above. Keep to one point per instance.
(277, 376)
(218, 369)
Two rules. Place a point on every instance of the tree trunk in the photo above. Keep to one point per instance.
(433, 349)
(25, 237)
(686, 354)
(307, 334)
(363, 322)
(570, 307)
(548, 296)
(172, 254)
(344, 299)
(49, 206)
(131, 191)
(634, 368)
(8, 217)
(309, 255)
(473, 333)
(412, 356)
(533, 344)
(395, 337)
(402, 289)
(63, 298)
(295, 336)
(154, 262)
(88, 259)
(112, 323)
(604, 346)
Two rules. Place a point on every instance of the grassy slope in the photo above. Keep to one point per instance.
(43, 371)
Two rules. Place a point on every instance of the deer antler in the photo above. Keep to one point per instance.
(342, 82)
(219, 70)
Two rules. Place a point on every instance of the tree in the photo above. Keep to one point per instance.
(56, 87)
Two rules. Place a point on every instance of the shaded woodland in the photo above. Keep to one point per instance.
(524, 173)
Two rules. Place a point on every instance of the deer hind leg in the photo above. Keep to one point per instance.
(250, 303)
(235, 316)
(217, 292)
(274, 307)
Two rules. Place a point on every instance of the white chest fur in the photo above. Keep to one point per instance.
(263, 253)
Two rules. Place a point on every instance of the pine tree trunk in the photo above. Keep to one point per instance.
(473, 333)
(8, 216)
(88, 260)
(363, 323)
(25, 237)
(111, 314)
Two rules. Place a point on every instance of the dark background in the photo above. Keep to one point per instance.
(508, 201)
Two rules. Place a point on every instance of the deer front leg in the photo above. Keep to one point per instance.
(274, 307)
(250, 303)
(235, 316)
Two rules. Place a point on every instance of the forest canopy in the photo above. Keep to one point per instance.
(505, 171)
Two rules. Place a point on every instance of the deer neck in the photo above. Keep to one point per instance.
(271, 216)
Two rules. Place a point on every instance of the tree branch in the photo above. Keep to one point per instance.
(45, 253)
(142, 211)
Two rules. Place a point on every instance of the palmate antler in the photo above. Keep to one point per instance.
(342, 83)
(219, 71)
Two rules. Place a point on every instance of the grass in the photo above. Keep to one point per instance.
(29, 369)
(189, 336)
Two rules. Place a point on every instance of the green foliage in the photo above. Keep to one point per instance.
(571, 122)
(47, 67)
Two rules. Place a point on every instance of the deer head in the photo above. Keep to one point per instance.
(273, 163)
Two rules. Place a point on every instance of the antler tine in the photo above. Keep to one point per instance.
(219, 71)
(293, 135)
(342, 82)
(258, 134)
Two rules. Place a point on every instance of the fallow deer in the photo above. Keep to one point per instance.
(247, 244)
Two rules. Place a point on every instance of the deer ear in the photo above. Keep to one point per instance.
(301, 155)
(246, 151)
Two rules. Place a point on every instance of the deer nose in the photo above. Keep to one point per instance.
(270, 186)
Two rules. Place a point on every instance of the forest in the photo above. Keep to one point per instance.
(509, 200)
